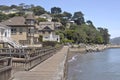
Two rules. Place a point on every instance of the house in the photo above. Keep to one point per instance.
(22, 29)
(47, 30)
(11, 11)
(25, 31)
(46, 16)
(5, 31)
(53, 25)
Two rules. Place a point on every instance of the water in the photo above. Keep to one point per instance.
(95, 66)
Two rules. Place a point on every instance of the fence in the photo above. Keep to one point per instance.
(27, 58)
(5, 68)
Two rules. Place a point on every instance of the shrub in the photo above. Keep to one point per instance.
(49, 43)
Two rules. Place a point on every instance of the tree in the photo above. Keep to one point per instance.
(41, 20)
(67, 15)
(13, 6)
(38, 10)
(3, 17)
(105, 35)
(40, 39)
(56, 10)
(78, 17)
(90, 23)
(21, 6)
(4, 7)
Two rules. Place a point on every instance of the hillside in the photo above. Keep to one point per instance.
(115, 40)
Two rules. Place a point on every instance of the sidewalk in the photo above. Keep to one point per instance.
(51, 69)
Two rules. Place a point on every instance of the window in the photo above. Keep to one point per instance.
(28, 30)
(13, 31)
(43, 32)
(49, 32)
(20, 30)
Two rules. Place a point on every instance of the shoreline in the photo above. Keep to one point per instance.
(73, 51)
(90, 48)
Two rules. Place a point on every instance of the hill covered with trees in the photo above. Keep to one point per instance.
(75, 29)
(115, 40)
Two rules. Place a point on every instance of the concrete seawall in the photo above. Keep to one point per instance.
(92, 48)
(51, 69)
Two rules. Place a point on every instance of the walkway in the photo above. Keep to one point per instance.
(51, 69)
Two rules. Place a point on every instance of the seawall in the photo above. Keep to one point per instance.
(92, 48)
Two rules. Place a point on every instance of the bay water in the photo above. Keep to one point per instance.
(103, 65)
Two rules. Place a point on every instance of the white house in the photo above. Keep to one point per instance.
(11, 11)
(5, 31)
(5, 36)
(51, 37)
(46, 16)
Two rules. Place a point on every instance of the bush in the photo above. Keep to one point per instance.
(49, 43)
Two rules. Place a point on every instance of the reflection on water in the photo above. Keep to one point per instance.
(95, 66)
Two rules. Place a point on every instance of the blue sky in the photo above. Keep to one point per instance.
(103, 13)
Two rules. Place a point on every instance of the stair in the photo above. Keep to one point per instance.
(10, 42)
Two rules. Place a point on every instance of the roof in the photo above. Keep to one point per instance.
(4, 26)
(51, 25)
(30, 16)
(46, 16)
(42, 25)
(14, 21)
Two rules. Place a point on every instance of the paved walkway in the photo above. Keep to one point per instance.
(51, 69)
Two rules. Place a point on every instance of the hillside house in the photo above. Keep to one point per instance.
(47, 30)
(46, 16)
(22, 29)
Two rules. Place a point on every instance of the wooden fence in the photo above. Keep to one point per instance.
(27, 58)
(5, 68)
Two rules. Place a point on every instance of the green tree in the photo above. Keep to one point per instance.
(40, 39)
(105, 35)
(3, 17)
(67, 15)
(78, 17)
(90, 23)
(38, 10)
(13, 6)
(56, 10)
(41, 20)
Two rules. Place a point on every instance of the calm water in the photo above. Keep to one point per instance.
(95, 66)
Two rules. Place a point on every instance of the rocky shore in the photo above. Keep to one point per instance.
(74, 50)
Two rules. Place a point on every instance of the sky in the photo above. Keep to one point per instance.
(103, 13)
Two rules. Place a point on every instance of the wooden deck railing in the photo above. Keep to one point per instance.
(5, 68)
(27, 58)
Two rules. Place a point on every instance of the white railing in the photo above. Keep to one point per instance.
(10, 41)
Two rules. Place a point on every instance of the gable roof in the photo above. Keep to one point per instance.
(46, 16)
(14, 21)
(47, 29)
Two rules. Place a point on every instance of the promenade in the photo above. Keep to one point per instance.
(50, 69)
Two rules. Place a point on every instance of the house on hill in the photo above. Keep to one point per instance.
(22, 29)
(25, 31)
(46, 16)
(11, 11)
(5, 36)
(5, 31)
(47, 30)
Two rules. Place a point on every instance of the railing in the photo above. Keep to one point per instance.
(27, 58)
(5, 68)
(10, 41)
